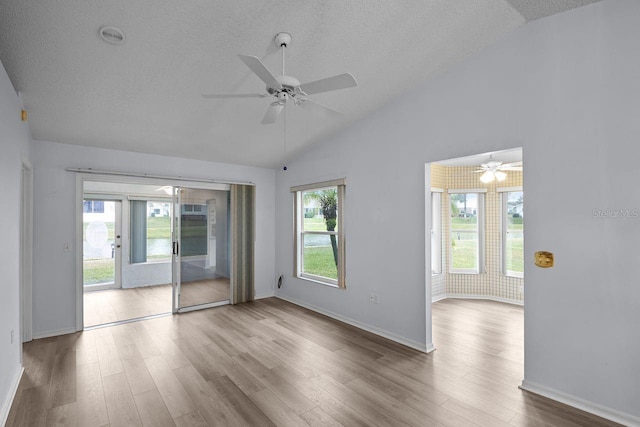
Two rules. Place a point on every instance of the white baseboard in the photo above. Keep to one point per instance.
(55, 333)
(438, 298)
(386, 334)
(584, 405)
(265, 295)
(485, 297)
(6, 406)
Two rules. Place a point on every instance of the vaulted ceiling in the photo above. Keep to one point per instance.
(144, 95)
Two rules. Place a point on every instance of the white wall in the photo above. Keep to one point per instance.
(564, 88)
(15, 145)
(54, 287)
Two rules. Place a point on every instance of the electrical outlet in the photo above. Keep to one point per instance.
(66, 247)
(373, 298)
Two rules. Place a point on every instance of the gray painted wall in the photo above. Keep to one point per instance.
(564, 88)
(15, 143)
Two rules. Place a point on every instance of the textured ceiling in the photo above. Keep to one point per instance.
(144, 95)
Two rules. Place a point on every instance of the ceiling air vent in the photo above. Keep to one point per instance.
(112, 35)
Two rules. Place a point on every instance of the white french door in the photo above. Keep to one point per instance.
(101, 244)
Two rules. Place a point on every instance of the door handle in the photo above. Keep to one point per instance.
(176, 248)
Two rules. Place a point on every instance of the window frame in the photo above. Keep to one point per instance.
(436, 231)
(504, 198)
(299, 233)
(131, 226)
(481, 208)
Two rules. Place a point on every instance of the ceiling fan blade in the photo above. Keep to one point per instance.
(233, 95)
(272, 113)
(512, 165)
(341, 81)
(311, 105)
(261, 71)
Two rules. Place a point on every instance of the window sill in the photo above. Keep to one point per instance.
(316, 280)
(514, 274)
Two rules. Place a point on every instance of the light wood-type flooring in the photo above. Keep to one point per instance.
(115, 305)
(273, 363)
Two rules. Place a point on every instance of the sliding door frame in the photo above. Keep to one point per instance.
(81, 177)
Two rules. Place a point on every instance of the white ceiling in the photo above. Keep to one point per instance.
(144, 95)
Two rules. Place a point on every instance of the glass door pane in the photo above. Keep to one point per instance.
(201, 264)
(101, 242)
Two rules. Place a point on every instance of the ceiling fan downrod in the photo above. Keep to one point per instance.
(282, 40)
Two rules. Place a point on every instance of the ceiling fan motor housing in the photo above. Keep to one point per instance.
(290, 85)
(282, 39)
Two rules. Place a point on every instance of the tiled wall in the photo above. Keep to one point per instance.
(492, 283)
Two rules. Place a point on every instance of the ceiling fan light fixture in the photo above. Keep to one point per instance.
(487, 177)
(500, 176)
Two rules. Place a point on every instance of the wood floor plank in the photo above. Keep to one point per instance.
(62, 416)
(120, 404)
(270, 362)
(63, 379)
(108, 356)
(282, 389)
(239, 403)
(194, 419)
(210, 406)
(138, 375)
(170, 351)
(38, 362)
(91, 407)
(32, 410)
(319, 418)
(152, 410)
(86, 351)
(275, 409)
(173, 393)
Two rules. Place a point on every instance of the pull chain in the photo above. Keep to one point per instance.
(284, 147)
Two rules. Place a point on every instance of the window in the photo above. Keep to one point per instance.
(319, 232)
(93, 206)
(513, 233)
(150, 230)
(436, 233)
(193, 230)
(467, 231)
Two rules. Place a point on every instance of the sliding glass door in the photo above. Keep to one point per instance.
(200, 231)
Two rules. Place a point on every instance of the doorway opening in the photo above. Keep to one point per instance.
(476, 226)
(152, 249)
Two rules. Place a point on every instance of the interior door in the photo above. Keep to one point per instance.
(200, 248)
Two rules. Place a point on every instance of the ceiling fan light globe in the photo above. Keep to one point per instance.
(500, 176)
(487, 177)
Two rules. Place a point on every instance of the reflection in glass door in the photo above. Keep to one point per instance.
(201, 248)
(101, 242)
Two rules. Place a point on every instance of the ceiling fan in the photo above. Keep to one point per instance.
(496, 170)
(286, 89)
